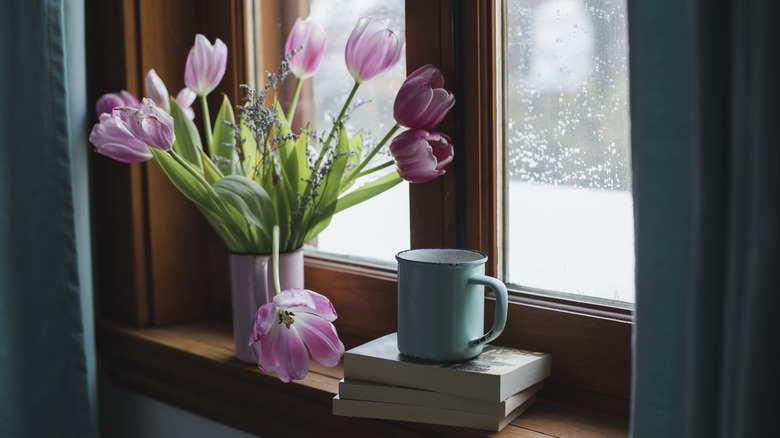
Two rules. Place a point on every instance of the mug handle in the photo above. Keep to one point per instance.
(499, 321)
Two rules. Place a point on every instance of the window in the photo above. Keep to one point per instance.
(158, 263)
(378, 228)
(568, 222)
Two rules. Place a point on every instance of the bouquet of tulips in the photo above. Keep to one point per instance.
(254, 172)
(264, 188)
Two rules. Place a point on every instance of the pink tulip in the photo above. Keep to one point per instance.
(205, 65)
(297, 323)
(185, 98)
(311, 36)
(111, 138)
(422, 103)
(156, 90)
(372, 49)
(150, 123)
(420, 156)
(109, 101)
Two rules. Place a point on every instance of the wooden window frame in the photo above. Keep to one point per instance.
(158, 263)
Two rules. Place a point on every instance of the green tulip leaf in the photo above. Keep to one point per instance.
(298, 164)
(355, 146)
(368, 191)
(223, 146)
(324, 205)
(195, 188)
(187, 143)
(251, 154)
(250, 199)
(186, 180)
(210, 171)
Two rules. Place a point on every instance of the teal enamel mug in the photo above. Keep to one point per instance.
(441, 303)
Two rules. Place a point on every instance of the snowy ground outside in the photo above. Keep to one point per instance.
(573, 240)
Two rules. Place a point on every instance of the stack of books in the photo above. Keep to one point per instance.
(486, 392)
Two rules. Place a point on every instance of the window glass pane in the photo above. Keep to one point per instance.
(378, 228)
(569, 210)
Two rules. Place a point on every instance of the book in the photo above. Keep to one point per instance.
(352, 389)
(494, 375)
(426, 414)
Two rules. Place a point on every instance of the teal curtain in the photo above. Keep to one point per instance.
(47, 353)
(705, 93)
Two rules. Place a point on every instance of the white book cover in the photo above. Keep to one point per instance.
(494, 375)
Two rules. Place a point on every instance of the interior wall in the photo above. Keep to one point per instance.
(128, 414)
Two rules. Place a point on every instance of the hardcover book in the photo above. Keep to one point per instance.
(351, 389)
(425, 414)
(494, 375)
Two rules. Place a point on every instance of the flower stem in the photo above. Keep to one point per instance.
(294, 102)
(341, 115)
(275, 260)
(386, 164)
(356, 171)
(296, 222)
(206, 121)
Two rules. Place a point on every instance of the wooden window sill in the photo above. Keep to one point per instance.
(192, 366)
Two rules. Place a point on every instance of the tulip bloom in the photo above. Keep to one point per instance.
(185, 98)
(311, 36)
(158, 92)
(150, 123)
(112, 139)
(372, 49)
(422, 103)
(109, 101)
(420, 156)
(284, 332)
(205, 65)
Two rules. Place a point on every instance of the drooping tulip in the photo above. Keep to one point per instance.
(205, 65)
(372, 49)
(150, 123)
(109, 101)
(297, 323)
(311, 36)
(420, 156)
(112, 139)
(422, 103)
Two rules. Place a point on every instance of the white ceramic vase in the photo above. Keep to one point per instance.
(252, 285)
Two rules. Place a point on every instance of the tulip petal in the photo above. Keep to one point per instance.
(412, 101)
(112, 138)
(441, 102)
(320, 338)
(432, 76)
(372, 49)
(107, 102)
(307, 301)
(156, 90)
(417, 153)
(264, 321)
(290, 352)
(150, 123)
(442, 149)
(265, 318)
(205, 66)
(123, 153)
(421, 103)
(311, 37)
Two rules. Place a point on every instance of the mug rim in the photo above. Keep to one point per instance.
(480, 260)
